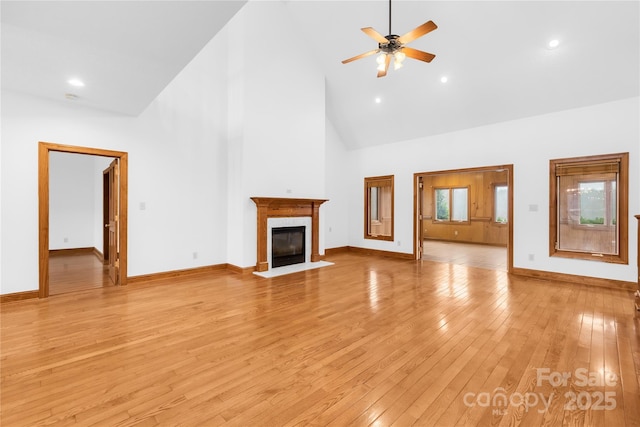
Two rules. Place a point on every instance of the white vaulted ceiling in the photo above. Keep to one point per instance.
(494, 54)
(126, 52)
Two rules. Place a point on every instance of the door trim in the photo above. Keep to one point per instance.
(509, 169)
(43, 206)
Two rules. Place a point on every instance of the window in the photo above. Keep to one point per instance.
(374, 203)
(452, 204)
(500, 203)
(442, 204)
(378, 207)
(598, 202)
(589, 216)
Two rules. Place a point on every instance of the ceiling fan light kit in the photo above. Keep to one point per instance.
(394, 46)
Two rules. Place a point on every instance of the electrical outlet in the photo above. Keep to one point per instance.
(195, 255)
(399, 243)
(66, 240)
(532, 257)
(455, 233)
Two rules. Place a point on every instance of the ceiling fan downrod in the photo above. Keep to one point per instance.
(390, 17)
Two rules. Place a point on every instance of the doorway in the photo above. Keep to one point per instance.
(463, 207)
(117, 264)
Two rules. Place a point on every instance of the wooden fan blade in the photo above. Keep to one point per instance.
(418, 54)
(375, 35)
(387, 61)
(420, 31)
(362, 55)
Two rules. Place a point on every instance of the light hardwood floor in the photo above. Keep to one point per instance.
(470, 254)
(366, 341)
(76, 272)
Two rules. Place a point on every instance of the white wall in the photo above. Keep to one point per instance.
(276, 120)
(528, 144)
(335, 217)
(71, 201)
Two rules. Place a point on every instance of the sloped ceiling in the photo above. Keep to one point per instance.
(494, 54)
(126, 52)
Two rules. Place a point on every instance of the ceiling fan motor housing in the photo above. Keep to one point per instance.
(392, 46)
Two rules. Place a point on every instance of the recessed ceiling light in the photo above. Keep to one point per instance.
(75, 82)
(553, 44)
(378, 100)
(444, 79)
(71, 96)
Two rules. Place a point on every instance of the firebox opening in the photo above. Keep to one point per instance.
(287, 246)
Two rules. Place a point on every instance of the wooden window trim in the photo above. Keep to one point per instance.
(378, 181)
(434, 217)
(592, 165)
(493, 204)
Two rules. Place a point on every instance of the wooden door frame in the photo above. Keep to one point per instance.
(418, 245)
(508, 168)
(44, 148)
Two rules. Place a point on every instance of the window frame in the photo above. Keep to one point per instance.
(378, 182)
(449, 220)
(494, 213)
(622, 209)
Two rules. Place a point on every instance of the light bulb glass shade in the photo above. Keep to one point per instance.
(381, 59)
(398, 57)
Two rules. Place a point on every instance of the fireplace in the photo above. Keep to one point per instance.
(287, 246)
(271, 209)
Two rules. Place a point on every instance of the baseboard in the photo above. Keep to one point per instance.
(572, 278)
(71, 251)
(18, 296)
(198, 271)
(240, 270)
(338, 250)
(132, 280)
(377, 252)
(98, 254)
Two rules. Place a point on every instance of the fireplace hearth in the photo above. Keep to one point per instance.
(287, 246)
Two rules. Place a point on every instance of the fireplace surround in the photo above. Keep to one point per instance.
(276, 207)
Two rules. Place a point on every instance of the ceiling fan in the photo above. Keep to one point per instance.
(395, 46)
